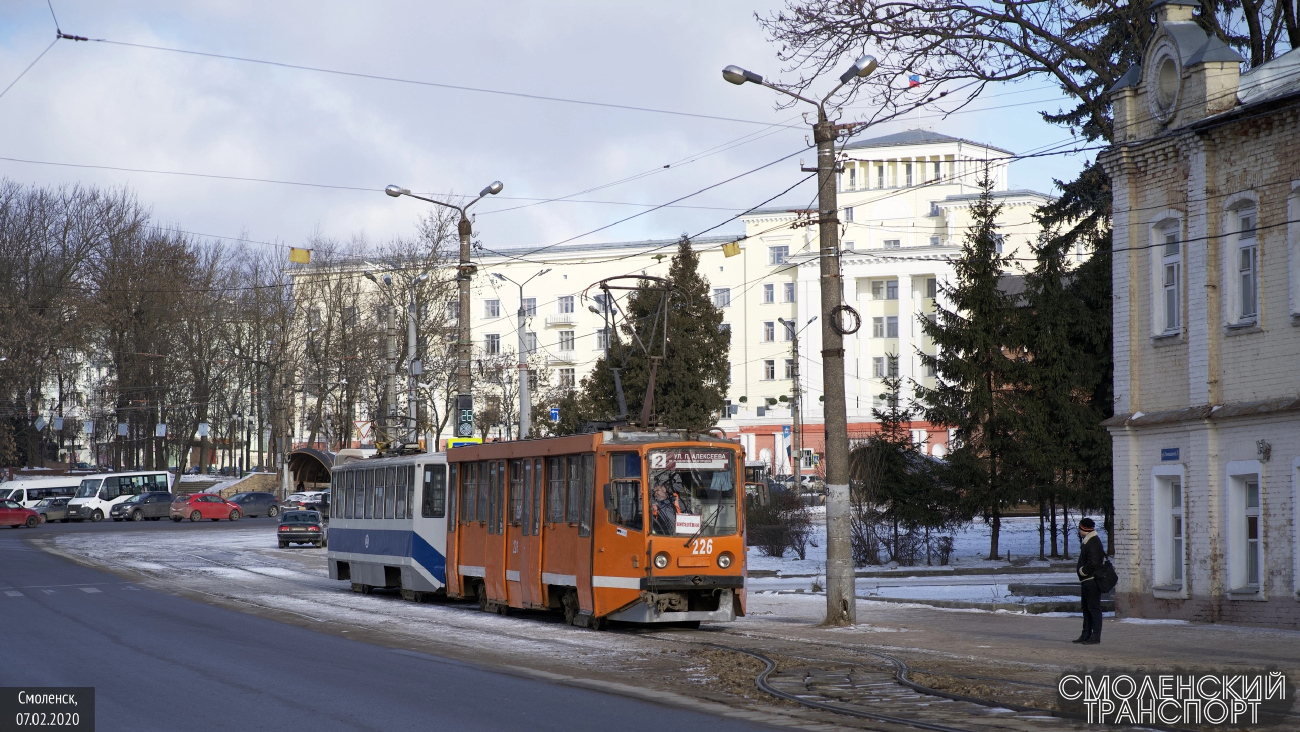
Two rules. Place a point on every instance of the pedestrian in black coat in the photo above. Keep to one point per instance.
(1091, 556)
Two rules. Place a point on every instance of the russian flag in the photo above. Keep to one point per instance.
(913, 80)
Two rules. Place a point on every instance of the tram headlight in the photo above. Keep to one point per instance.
(661, 560)
(724, 560)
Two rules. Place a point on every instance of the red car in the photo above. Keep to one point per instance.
(13, 514)
(199, 506)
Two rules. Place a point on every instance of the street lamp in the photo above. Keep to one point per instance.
(413, 366)
(464, 397)
(840, 594)
(525, 399)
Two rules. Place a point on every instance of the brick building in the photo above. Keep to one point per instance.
(1206, 272)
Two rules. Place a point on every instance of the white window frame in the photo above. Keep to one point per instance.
(878, 327)
(893, 244)
(491, 308)
(568, 378)
(789, 368)
(789, 292)
(769, 294)
(878, 367)
(891, 320)
(530, 341)
(931, 288)
(848, 214)
(769, 369)
(564, 304)
(891, 289)
(492, 344)
(721, 297)
(530, 307)
(567, 341)
(1164, 582)
(1237, 206)
(769, 331)
(1239, 474)
(778, 254)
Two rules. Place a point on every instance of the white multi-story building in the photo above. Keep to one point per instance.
(905, 206)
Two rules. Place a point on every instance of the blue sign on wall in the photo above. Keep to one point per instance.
(1168, 453)
(785, 430)
(555, 414)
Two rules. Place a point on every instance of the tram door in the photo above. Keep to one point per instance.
(530, 535)
(494, 556)
(515, 530)
(621, 524)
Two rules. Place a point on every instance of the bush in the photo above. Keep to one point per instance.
(783, 523)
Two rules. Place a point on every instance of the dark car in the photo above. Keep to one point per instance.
(301, 527)
(153, 505)
(257, 503)
(53, 509)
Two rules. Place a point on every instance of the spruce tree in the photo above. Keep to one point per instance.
(975, 374)
(694, 371)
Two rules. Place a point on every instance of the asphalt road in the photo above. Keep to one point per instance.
(161, 662)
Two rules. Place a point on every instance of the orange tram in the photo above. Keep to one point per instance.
(630, 526)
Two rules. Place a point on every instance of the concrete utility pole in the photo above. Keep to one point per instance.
(841, 597)
(525, 398)
(390, 386)
(796, 403)
(413, 367)
(465, 273)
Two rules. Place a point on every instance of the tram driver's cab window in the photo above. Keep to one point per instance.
(435, 491)
(692, 492)
(623, 496)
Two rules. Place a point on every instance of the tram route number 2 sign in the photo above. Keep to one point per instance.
(689, 460)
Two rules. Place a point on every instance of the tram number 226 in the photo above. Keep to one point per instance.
(702, 546)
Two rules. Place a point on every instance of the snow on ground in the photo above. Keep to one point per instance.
(1019, 535)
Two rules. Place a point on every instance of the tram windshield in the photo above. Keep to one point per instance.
(692, 492)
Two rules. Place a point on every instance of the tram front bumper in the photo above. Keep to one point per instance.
(647, 611)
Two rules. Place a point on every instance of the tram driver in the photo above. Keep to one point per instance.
(666, 505)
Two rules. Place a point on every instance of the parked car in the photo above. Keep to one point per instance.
(257, 503)
(301, 527)
(53, 509)
(12, 514)
(199, 506)
(153, 505)
(305, 500)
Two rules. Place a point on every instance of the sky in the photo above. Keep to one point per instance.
(117, 106)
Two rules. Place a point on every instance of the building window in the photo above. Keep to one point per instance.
(937, 175)
(491, 308)
(565, 304)
(891, 326)
(877, 327)
(848, 214)
(853, 178)
(1170, 532)
(788, 331)
(492, 344)
(789, 291)
(530, 307)
(891, 290)
(530, 342)
(769, 294)
(998, 240)
(567, 378)
(878, 367)
(789, 368)
(602, 339)
(1171, 277)
(453, 310)
(602, 303)
(1245, 528)
(931, 371)
(891, 366)
(566, 340)
(907, 171)
(769, 331)
(893, 243)
(935, 241)
(931, 287)
(721, 297)
(1247, 267)
(880, 175)
(777, 255)
(769, 370)
(877, 289)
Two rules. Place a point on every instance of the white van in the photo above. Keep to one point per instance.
(97, 494)
(30, 491)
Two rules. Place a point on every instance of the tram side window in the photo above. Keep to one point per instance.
(402, 485)
(526, 495)
(390, 493)
(377, 498)
(412, 475)
(588, 494)
(623, 501)
(482, 492)
(493, 505)
(516, 492)
(574, 497)
(435, 491)
(344, 496)
(369, 500)
(555, 490)
(358, 493)
(451, 497)
(500, 487)
(539, 481)
(468, 492)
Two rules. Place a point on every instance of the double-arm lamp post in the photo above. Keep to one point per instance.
(464, 386)
(840, 594)
(525, 399)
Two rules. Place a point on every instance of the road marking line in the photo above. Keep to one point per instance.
(13, 593)
(90, 589)
(48, 592)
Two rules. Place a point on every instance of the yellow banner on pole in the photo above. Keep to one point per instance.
(301, 256)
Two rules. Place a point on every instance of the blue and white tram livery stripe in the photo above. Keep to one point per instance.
(407, 550)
